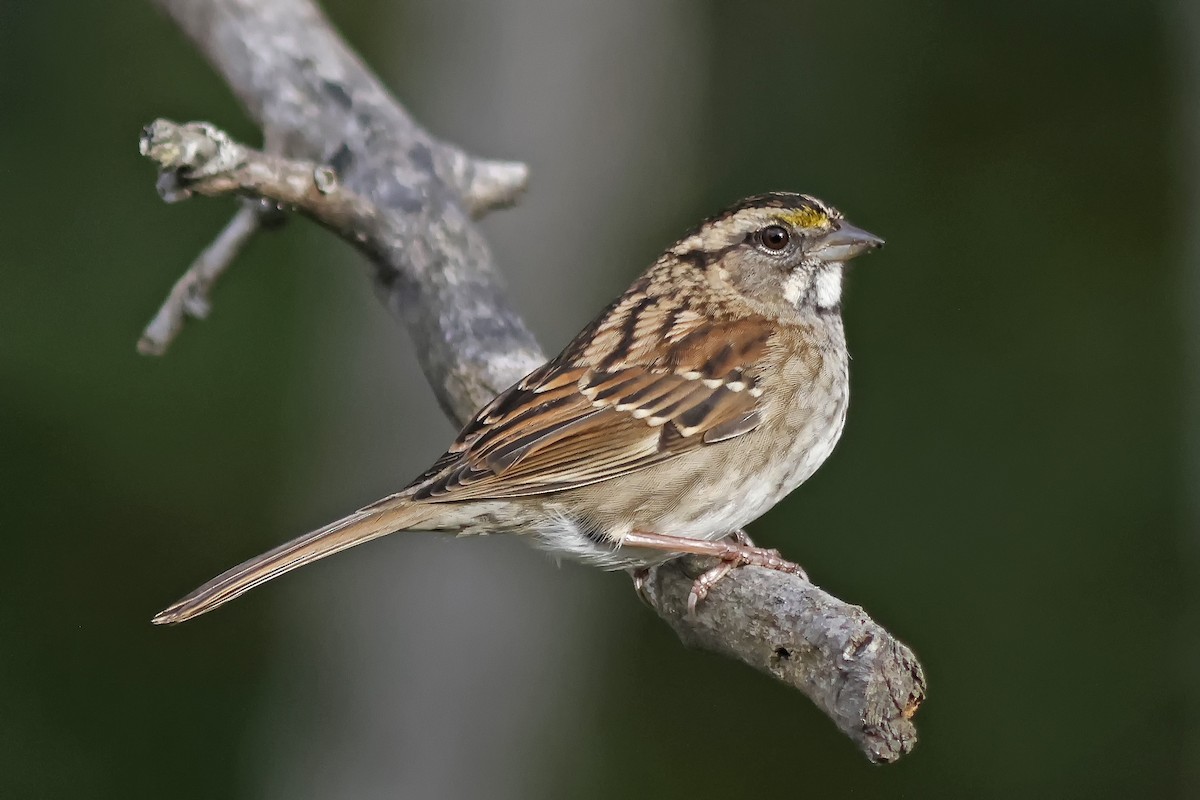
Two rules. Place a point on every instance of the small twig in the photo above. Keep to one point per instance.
(199, 158)
(189, 297)
(489, 185)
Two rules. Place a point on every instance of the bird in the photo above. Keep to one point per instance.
(716, 384)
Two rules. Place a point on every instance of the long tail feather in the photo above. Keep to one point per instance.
(388, 515)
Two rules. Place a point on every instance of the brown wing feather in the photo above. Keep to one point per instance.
(593, 413)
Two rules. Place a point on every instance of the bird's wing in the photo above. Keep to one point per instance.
(600, 411)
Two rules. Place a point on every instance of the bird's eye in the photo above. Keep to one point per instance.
(775, 237)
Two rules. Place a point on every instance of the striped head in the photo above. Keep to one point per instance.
(780, 251)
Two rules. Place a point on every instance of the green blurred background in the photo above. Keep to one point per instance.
(1014, 495)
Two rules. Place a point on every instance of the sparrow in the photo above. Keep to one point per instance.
(708, 391)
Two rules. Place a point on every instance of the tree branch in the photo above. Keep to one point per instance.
(865, 680)
(351, 158)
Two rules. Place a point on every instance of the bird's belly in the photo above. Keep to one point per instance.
(747, 493)
(697, 496)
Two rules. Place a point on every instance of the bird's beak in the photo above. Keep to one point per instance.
(844, 243)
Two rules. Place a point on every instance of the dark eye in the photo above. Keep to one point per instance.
(775, 237)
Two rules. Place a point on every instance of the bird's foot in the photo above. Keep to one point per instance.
(738, 551)
(735, 550)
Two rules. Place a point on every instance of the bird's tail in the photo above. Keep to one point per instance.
(378, 519)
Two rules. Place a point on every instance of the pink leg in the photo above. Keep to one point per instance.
(735, 551)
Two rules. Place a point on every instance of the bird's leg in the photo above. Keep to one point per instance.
(736, 550)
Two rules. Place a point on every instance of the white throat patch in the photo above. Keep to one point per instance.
(793, 287)
(827, 287)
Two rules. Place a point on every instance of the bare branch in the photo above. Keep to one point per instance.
(868, 683)
(317, 103)
(353, 159)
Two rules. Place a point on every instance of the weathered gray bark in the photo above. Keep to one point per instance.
(346, 154)
(316, 101)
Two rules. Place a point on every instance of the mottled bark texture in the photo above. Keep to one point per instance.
(342, 151)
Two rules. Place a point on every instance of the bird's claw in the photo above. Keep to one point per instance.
(741, 552)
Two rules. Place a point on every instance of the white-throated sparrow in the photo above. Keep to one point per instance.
(714, 386)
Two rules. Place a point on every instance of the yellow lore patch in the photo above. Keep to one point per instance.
(805, 218)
